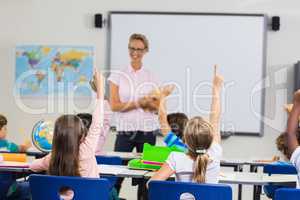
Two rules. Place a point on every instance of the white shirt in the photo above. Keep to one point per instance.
(133, 85)
(295, 160)
(183, 165)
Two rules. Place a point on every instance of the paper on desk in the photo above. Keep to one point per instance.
(120, 170)
(110, 169)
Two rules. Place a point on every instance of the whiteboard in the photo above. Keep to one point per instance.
(183, 48)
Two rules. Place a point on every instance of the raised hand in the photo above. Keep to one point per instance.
(288, 107)
(215, 109)
(218, 79)
(167, 90)
(99, 83)
(296, 99)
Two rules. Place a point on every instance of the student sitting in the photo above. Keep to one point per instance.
(283, 148)
(201, 162)
(73, 147)
(281, 145)
(5, 144)
(172, 127)
(292, 133)
(9, 189)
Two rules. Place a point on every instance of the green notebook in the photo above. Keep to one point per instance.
(153, 157)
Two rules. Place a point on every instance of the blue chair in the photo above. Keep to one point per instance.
(277, 168)
(6, 179)
(287, 194)
(109, 160)
(47, 187)
(162, 190)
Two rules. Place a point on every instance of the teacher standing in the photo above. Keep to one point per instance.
(134, 126)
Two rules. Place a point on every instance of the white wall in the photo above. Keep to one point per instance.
(70, 22)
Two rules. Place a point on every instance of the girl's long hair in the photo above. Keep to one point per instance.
(198, 136)
(68, 133)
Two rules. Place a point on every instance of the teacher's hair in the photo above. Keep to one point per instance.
(141, 37)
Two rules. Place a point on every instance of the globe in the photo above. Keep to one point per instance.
(42, 135)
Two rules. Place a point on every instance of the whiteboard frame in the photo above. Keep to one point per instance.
(264, 71)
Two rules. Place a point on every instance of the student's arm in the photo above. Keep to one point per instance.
(162, 116)
(88, 146)
(163, 173)
(115, 102)
(105, 130)
(41, 164)
(215, 110)
(24, 147)
(162, 110)
(293, 123)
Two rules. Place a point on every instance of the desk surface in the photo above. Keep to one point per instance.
(123, 171)
(256, 178)
(123, 155)
(251, 178)
(133, 155)
(8, 166)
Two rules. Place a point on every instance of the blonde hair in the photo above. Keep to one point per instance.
(141, 37)
(198, 136)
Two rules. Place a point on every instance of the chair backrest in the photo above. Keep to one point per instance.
(6, 179)
(109, 160)
(287, 194)
(162, 190)
(280, 168)
(47, 187)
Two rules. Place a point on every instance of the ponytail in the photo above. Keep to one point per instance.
(201, 163)
(198, 136)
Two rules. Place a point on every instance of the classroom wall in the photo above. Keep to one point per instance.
(70, 22)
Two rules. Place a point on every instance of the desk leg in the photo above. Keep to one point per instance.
(257, 189)
(240, 187)
(142, 193)
(253, 168)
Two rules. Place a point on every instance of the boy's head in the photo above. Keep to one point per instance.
(282, 144)
(177, 122)
(3, 127)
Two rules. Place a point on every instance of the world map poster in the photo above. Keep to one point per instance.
(43, 70)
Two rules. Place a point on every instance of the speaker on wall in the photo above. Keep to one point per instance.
(98, 20)
(297, 76)
(275, 25)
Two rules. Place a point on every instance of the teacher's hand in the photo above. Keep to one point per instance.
(151, 102)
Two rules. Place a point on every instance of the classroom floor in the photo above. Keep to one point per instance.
(129, 192)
